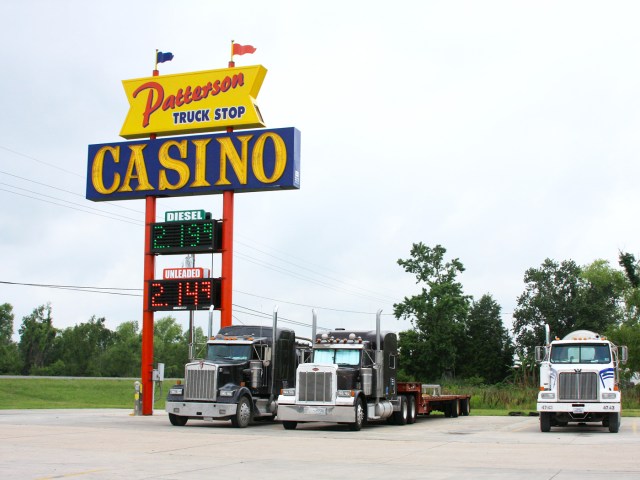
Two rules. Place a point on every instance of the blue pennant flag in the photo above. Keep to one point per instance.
(164, 57)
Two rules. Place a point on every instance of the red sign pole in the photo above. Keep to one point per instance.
(226, 284)
(146, 364)
(147, 313)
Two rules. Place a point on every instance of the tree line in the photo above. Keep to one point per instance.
(454, 336)
(89, 349)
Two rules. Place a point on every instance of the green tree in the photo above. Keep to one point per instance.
(122, 357)
(566, 297)
(437, 313)
(169, 346)
(632, 293)
(9, 355)
(486, 349)
(628, 332)
(37, 336)
(82, 348)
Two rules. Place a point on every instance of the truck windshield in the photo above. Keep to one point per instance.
(584, 353)
(228, 352)
(329, 356)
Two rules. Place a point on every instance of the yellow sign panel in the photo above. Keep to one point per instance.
(193, 102)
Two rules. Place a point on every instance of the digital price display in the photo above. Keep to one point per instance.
(187, 294)
(195, 236)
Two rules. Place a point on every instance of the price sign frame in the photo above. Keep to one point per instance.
(171, 238)
(184, 294)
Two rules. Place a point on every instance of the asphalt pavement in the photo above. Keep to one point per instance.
(113, 444)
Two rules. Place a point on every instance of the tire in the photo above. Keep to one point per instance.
(289, 425)
(614, 422)
(454, 409)
(545, 422)
(413, 413)
(359, 416)
(400, 417)
(465, 408)
(177, 420)
(242, 418)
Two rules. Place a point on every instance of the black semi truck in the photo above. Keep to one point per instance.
(239, 380)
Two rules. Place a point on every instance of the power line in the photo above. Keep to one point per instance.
(69, 207)
(118, 291)
(359, 292)
(63, 200)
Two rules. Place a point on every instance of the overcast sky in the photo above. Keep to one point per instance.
(508, 132)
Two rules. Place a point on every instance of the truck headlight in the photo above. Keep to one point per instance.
(175, 391)
(609, 395)
(547, 395)
(345, 393)
(227, 393)
(288, 391)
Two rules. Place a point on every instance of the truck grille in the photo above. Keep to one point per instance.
(578, 386)
(200, 382)
(315, 387)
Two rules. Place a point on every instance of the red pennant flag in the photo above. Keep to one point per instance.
(242, 49)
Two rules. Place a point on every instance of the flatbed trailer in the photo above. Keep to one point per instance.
(422, 399)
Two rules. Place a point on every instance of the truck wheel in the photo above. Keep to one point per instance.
(411, 405)
(400, 417)
(289, 425)
(454, 409)
(545, 422)
(177, 420)
(465, 409)
(359, 414)
(242, 418)
(614, 422)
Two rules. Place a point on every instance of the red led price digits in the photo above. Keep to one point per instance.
(196, 294)
(157, 289)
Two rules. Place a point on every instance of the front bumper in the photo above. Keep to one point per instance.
(201, 410)
(316, 413)
(578, 408)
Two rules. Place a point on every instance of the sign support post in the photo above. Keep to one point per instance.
(146, 361)
(226, 302)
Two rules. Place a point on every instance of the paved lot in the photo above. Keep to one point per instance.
(108, 444)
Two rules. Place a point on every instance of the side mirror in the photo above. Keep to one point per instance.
(542, 354)
(267, 356)
(624, 354)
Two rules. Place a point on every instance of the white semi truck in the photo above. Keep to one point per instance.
(579, 380)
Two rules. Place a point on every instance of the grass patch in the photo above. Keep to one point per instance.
(22, 393)
(51, 392)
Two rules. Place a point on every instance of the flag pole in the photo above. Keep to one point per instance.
(231, 62)
(156, 67)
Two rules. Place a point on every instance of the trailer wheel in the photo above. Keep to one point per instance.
(359, 416)
(614, 422)
(413, 414)
(400, 417)
(242, 418)
(545, 422)
(289, 425)
(177, 420)
(454, 409)
(465, 408)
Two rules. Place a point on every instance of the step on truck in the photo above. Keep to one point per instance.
(351, 379)
(244, 368)
(579, 380)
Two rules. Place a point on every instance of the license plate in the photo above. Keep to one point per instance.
(578, 410)
(315, 410)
